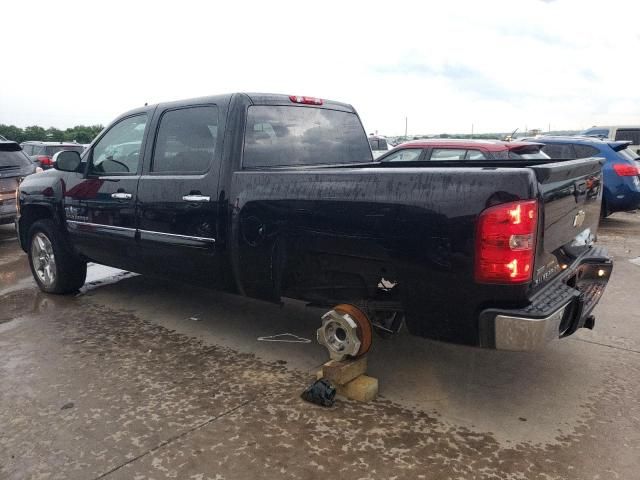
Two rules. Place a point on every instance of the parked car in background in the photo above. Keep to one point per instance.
(435, 149)
(630, 133)
(14, 166)
(621, 171)
(42, 152)
(379, 145)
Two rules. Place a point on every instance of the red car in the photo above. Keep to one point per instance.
(446, 149)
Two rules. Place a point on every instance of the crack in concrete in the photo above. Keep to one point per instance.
(604, 345)
(172, 439)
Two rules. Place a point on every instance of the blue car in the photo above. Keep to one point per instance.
(621, 171)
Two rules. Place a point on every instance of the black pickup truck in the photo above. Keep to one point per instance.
(273, 196)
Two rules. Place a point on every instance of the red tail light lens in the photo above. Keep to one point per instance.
(44, 160)
(626, 170)
(505, 242)
(305, 100)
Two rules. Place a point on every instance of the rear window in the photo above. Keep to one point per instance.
(632, 134)
(292, 136)
(51, 150)
(13, 159)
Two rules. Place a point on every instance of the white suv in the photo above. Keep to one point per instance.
(617, 132)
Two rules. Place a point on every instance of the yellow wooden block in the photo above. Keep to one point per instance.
(342, 372)
(361, 389)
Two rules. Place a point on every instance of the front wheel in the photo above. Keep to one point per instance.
(54, 265)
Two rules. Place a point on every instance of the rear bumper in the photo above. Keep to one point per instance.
(558, 310)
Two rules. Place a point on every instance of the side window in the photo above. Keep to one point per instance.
(373, 143)
(632, 134)
(585, 151)
(118, 151)
(443, 154)
(559, 151)
(405, 155)
(186, 140)
(382, 144)
(475, 155)
(28, 149)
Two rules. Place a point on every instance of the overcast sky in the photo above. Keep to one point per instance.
(444, 65)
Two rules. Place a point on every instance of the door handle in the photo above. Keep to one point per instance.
(121, 195)
(196, 198)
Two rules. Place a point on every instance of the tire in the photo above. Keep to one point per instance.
(604, 212)
(54, 265)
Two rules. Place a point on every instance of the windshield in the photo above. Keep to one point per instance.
(288, 135)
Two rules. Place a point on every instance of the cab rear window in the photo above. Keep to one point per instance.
(296, 136)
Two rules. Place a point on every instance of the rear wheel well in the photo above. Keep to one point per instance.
(28, 216)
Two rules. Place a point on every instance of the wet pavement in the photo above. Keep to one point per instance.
(142, 378)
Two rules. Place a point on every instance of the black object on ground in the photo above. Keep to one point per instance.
(320, 392)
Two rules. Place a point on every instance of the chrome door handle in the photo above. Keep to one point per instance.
(196, 198)
(121, 195)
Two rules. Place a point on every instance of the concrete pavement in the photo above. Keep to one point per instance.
(142, 378)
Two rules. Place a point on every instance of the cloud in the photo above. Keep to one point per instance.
(444, 65)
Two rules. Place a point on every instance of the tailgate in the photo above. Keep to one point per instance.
(571, 194)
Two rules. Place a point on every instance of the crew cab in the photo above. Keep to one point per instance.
(273, 196)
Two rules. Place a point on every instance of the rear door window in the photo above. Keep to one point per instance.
(631, 134)
(186, 140)
(475, 155)
(447, 154)
(586, 151)
(297, 136)
(404, 155)
(27, 149)
(561, 151)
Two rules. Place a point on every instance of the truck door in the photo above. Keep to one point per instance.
(177, 194)
(100, 208)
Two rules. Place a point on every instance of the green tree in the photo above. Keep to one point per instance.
(54, 135)
(34, 132)
(11, 132)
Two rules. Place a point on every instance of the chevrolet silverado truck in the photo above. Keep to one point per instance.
(273, 196)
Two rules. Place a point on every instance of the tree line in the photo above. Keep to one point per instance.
(79, 133)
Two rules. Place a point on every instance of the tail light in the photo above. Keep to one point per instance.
(305, 100)
(44, 160)
(626, 170)
(505, 242)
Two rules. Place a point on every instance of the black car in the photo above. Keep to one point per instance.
(14, 166)
(41, 153)
(273, 196)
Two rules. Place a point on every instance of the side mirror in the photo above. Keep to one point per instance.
(66, 161)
